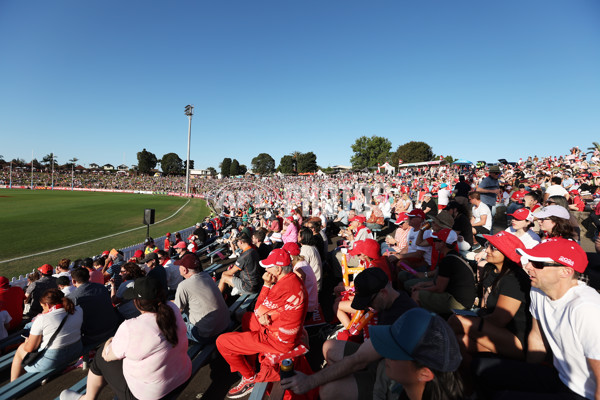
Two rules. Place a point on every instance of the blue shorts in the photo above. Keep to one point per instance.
(55, 358)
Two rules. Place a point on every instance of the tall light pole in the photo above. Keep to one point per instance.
(189, 111)
(52, 161)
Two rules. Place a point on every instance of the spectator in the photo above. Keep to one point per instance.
(290, 227)
(561, 201)
(310, 253)
(12, 298)
(461, 191)
(64, 284)
(556, 189)
(35, 289)
(481, 219)
(399, 242)
(443, 196)
(416, 256)
(198, 297)
(462, 225)
(62, 268)
(184, 254)
(520, 226)
(429, 206)
(376, 219)
(274, 327)
(129, 273)
(566, 321)
(96, 275)
(489, 189)
(258, 240)
(555, 222)
(99, 318)
(173, 276)
(244, 275)
(304, 272)
(147, 358)
(59, 314)
(156, 270)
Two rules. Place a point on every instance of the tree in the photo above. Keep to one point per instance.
(306, 162)
(191, 164)
(225, 167)
(263, 164)
(242, 170)
(171, 164)
(211, 171)
(368, 152)
(146, 161)
(49, 159)
(413, 152)
(73, 161)
(286, 165)
(234, 169)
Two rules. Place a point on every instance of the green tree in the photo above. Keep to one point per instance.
(307, 162)
(449, 159)
(242, 169)
(48, 160)
(234, 169)
(286, 165)
(368, 152)
(263, 164)
(412, 152)
(225, 167)
(146, 161)
(211, 171)
(171, 164)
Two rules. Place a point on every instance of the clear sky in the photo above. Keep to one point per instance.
(101, 79)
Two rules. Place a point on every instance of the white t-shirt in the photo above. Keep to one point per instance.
(313, 258)
(530, 239)
(412, 244)
(443, 197)
(310, 283)
(483, 209)
(47, 324)
(571, 325)
(5, 318)
(556, 190)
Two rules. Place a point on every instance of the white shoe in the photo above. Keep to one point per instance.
(233, 255)
(70, 395)
(235, 291)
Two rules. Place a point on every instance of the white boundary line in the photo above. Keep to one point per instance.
(94, 240)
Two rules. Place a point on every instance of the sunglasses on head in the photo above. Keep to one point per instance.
(542, 265)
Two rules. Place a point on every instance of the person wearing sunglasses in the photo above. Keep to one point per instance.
(503, 319)
(565, 324)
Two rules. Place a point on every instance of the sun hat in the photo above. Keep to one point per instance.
(444, 219)
(507, 243)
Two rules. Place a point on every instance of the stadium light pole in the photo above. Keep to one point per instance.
(189, 111)
(52, 161)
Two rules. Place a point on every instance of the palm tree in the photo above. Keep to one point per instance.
(595, 147)
(295, 156)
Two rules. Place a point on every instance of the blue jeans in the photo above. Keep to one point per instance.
(55, 358)
(193, 335)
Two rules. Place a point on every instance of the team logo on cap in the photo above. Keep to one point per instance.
(566, 260)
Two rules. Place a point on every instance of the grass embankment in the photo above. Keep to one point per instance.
(42, 220)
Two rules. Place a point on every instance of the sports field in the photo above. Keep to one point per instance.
(41, 220)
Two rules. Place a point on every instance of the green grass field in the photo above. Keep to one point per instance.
(41, 220)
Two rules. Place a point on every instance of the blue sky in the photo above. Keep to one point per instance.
(482, 80)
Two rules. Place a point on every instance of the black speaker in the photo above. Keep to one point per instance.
(148, 216)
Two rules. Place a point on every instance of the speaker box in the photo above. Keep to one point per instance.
(148, 216)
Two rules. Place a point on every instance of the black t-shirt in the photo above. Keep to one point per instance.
(402, 304)
(432, 206)
(461, 281)
(462, 189)
(320, 245)
(463, 227)
(201, 233)
(515, 284)
(263, 251)
(250, 274)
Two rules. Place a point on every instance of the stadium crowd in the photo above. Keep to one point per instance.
(426, 295)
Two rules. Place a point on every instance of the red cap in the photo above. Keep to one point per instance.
(445, 235)
(562, 251)
(180, 245)
(138, 253)
(360, 218)
(416, 213)
(522, 214)
(290, 218)
(4, 282)
(105, 252)
(168, 234)
(277, 257)
(574, 191)
(46, 269)
(402, 217)
(507, 243)
(292, 248)
(368, 247)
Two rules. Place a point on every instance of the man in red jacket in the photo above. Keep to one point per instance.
(275, 326)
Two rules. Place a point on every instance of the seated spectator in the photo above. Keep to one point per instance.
(156, 270)
(290, 230)
(99, 318)
(555, 222)
(453, 286)
(96, 275)
(129, 273)
(149, 246)
(5, 319)
(183, 253)
(64, 284)
(198, 297)
(481, 215)
(561, 201)
(462, 224)
(416, 256)
(274, 327)
(35, 289)
(62, 268)
(244, 275)
(173, 276)
(398, 243)
(520, 226)
(304, 272)
(310, 253)
(503, 320)
(258, 240)
(12, 298)
(65, 347)
(147, 358)
(376, 219)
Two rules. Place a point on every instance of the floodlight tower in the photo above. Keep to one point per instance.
(189, 111)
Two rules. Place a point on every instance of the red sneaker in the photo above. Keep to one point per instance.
(243, 388)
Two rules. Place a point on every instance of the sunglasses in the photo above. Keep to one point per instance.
(490, 247)
(542, 265)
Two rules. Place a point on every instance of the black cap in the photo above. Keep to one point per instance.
(366, 285)
(146, 288)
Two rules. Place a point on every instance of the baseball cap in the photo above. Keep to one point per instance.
(138, 253)
(4, 282)
(416, 213)
(180, 245)
(559, 250)
(366, 284)
(444, 219)
(402, 217)
(445, 235)
(105, 253)
(552, 211)
(522, 214)
(292, 248)
(277, 257)
(507, 243)
(150, 257)
(427, 195)
(443, 185)
(418, 335)
(168, 234)
(46, 269)
(360, 218)
(189, 261)
(368, 247)
(146, 288)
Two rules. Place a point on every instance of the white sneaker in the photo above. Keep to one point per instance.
(70, 395)
(235, 291)
(233, 255)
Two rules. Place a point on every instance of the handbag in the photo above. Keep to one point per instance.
(32, 357)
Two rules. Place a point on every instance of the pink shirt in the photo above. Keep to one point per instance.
(97, 276)
(152, 366)
(291, 234)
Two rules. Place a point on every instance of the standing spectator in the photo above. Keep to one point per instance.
(489, 189)
(34, 291)
(461, 191)
(12, 298)
(443, 196)
(167, 243)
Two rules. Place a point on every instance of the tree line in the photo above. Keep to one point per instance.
(374, 150)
